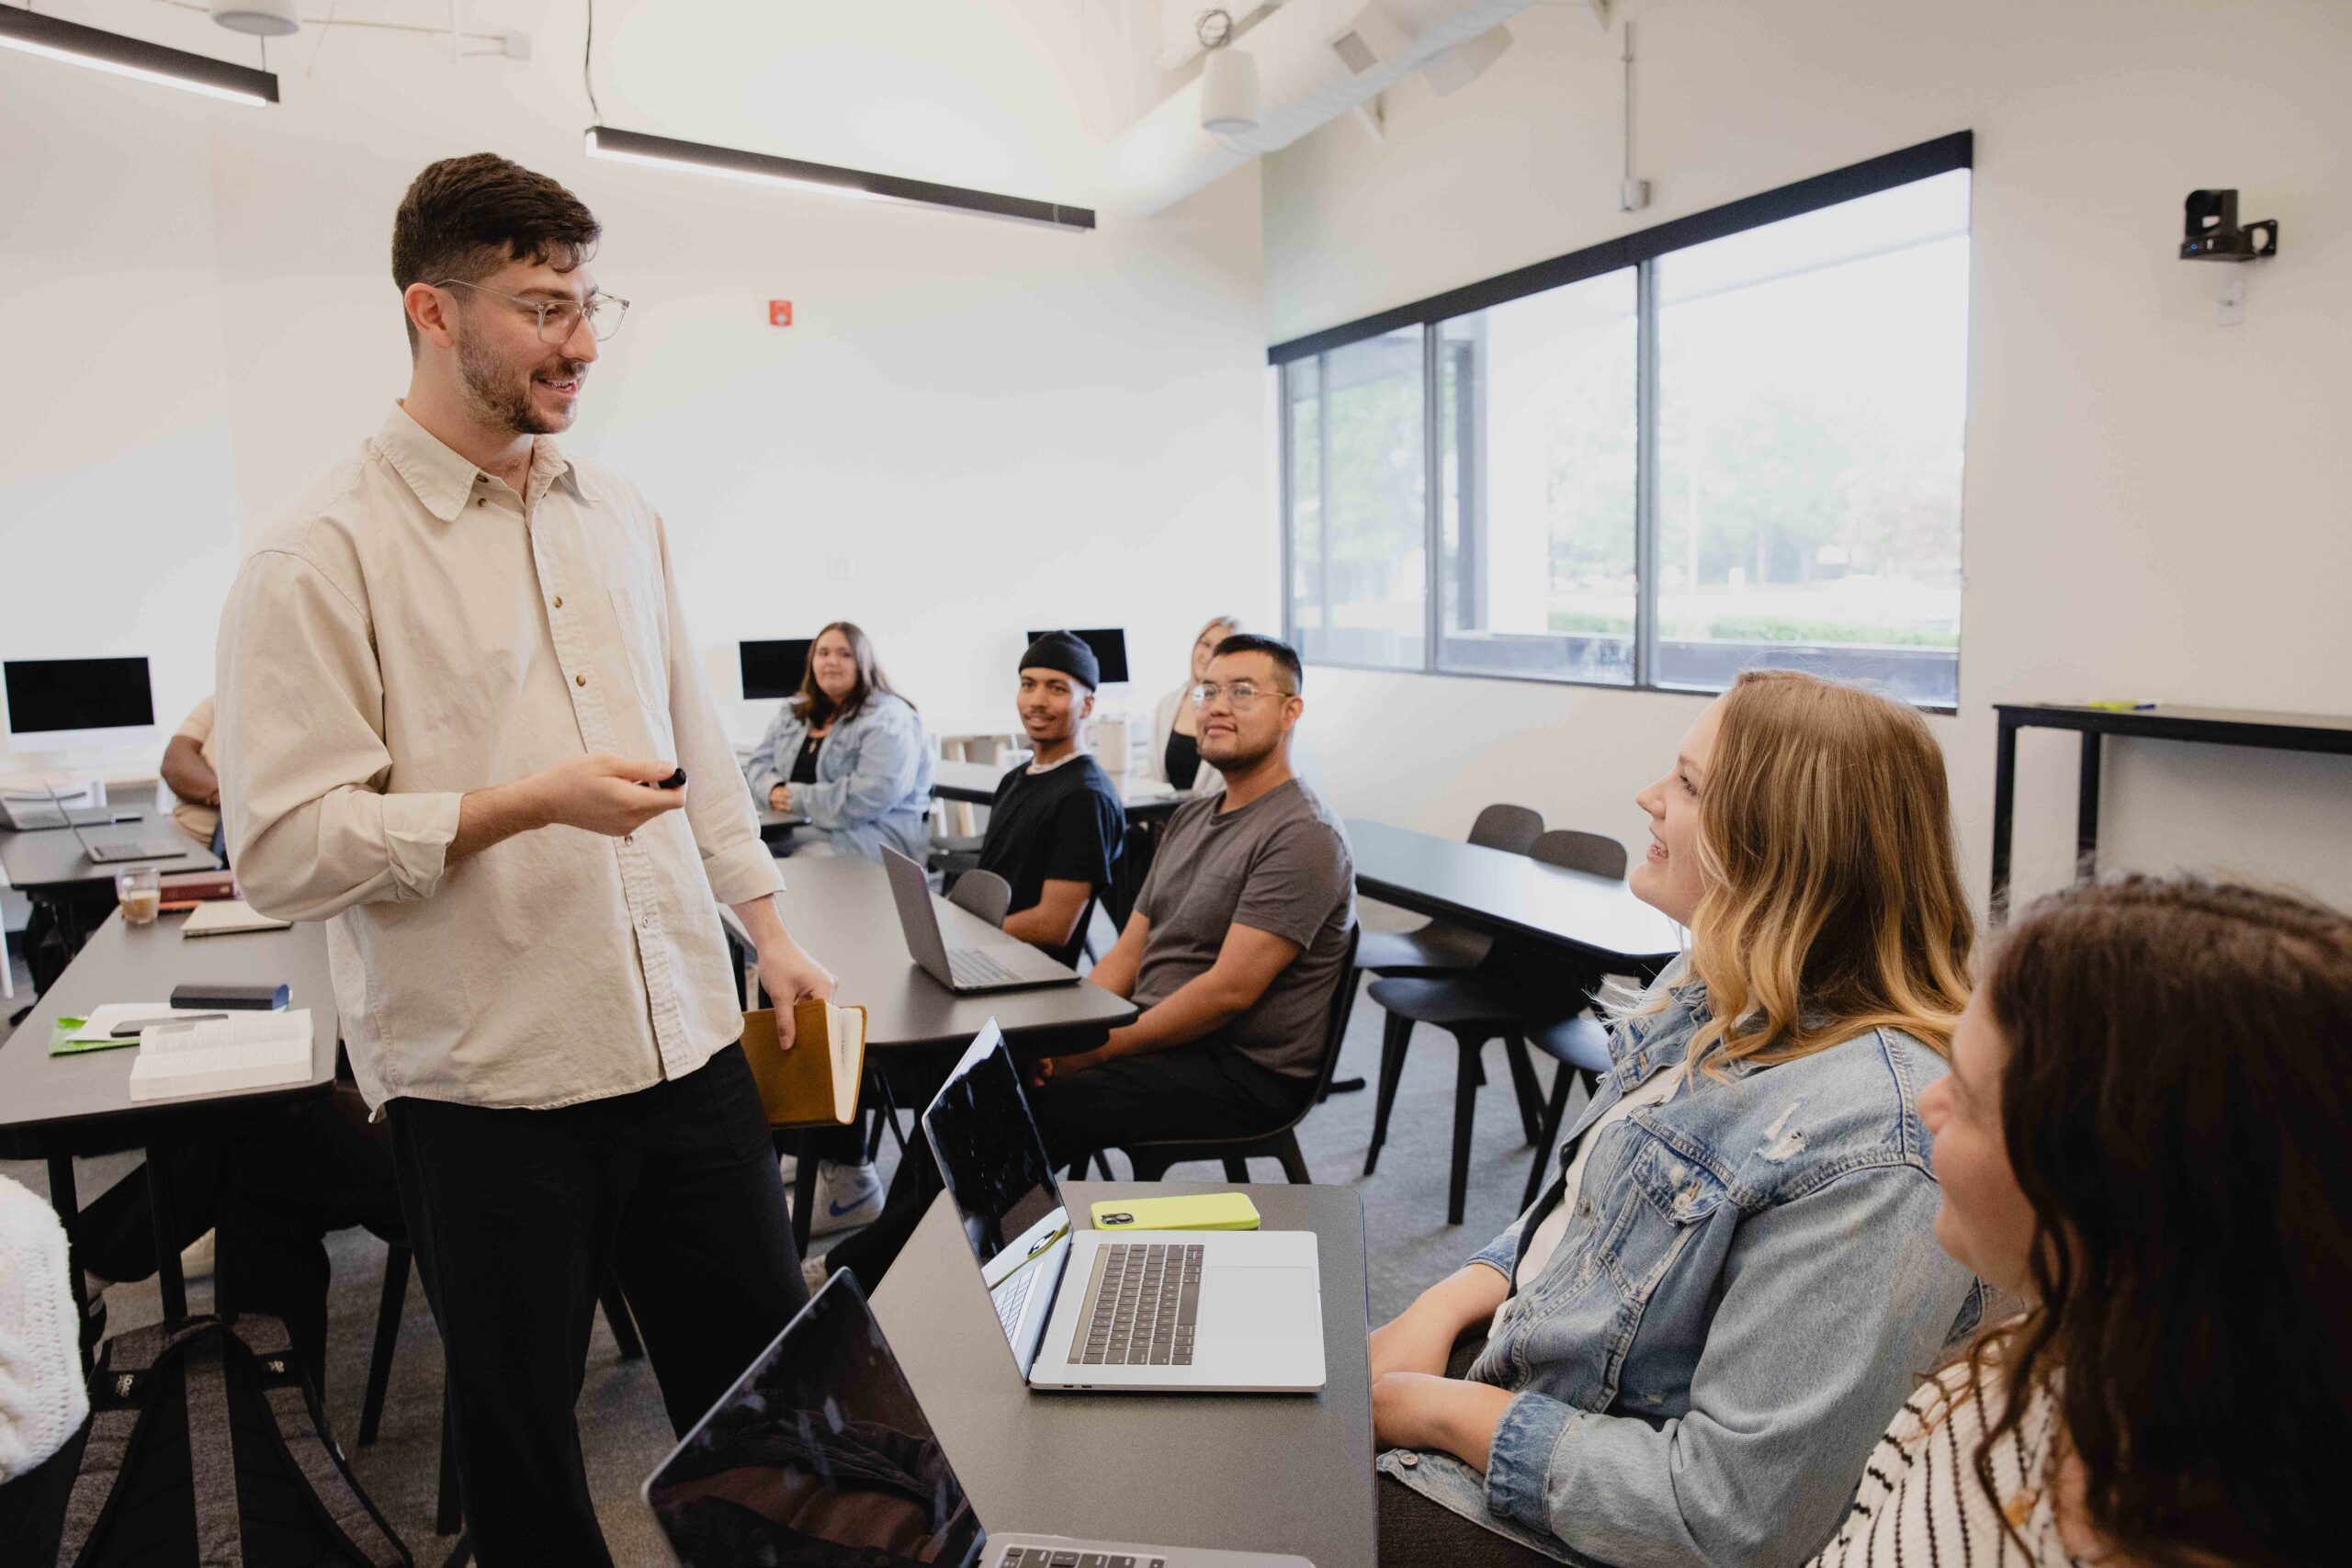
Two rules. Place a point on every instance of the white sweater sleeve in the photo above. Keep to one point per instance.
(42, 1400)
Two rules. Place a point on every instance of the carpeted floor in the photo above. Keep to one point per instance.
(624, 1431)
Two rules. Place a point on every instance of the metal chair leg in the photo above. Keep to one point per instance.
(1236, 1169)
(448, 1511)
(1524, 1085)
(1293, 1161)
(618, 1319)
(1396, 1037)
(1465, 1107)
(1555, 1112)
(388, 1305)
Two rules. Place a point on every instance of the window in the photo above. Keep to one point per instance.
(1731, 441)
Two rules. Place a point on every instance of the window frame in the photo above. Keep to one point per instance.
(1638, 252)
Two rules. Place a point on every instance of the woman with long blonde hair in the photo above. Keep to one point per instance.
(1684, 1351)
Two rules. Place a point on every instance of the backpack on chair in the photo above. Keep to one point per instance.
(206, 1446)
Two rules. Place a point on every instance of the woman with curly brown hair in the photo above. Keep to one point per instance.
(2147, 1135)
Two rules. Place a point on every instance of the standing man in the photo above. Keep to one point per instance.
(455, 686)
(1055, 824)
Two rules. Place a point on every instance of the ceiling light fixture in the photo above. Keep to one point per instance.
(795, 173)
(52, 38)
(262, 19)
(761, 168)
(1229, 78)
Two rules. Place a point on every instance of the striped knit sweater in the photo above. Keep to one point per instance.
(1921, 1504)
(42, 1401)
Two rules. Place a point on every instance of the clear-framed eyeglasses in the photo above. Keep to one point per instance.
(1240, 693)
(559, 319)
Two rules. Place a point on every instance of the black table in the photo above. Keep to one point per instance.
(2216, 727)
(53, 1108)
(841, 911)
(1263, 1473)
(974, 783)
(1510, 894)
(50, 858)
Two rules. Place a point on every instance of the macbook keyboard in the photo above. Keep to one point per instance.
(1073, 1557)
(971, 966)
(1144, 1304)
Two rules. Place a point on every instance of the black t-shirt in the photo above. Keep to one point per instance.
(1181, 765)
(1064, 825)
(804, 766)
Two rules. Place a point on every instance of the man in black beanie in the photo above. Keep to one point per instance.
(1055, 826)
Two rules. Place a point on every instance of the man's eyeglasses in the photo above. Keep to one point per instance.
(559, 319)
(1240, 693)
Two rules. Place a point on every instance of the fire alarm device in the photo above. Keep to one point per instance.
(779, 313)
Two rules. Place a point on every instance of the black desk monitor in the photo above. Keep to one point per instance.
(1110, 646)
(58, 703)
(773, 669)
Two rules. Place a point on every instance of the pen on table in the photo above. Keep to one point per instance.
(125, 1031)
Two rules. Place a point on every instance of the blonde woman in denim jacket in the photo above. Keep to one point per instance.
(849, 753)
(1684, 1352)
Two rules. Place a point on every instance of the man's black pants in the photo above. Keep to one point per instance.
(1206, 1089)
(516, 1215)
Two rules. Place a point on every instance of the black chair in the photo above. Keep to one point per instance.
(394, 1299)
(1494, 1002)
(982, 893)
(1151, 1161)
(1580, 1045)
(1438, 948)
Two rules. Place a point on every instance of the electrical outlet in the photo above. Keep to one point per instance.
(2230, 310)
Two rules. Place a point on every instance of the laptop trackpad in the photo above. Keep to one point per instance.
(1266, 1306)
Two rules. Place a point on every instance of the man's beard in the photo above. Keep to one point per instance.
(1242, 760)
(500, 397)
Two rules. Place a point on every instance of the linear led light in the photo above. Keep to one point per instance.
(53, 37)
(728, 163)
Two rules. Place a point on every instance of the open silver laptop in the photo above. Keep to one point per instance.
(1003, 963)
(822, 1453)
(151, 847)
(1178, 1312)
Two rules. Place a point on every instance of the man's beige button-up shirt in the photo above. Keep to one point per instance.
(415, 630)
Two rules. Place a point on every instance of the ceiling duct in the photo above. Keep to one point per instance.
(1316, 59)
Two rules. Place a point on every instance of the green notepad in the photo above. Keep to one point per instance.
(63, 1043)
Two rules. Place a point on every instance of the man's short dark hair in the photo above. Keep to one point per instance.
(1274, 647)
(465, 218)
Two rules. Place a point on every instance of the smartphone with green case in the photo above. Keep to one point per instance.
(1200, 1212)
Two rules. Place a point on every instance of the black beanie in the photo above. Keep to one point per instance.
(1067, 652)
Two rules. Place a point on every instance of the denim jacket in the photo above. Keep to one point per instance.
(1746, 1294)
(873, 778)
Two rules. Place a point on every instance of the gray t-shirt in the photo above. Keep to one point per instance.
(1279, 864)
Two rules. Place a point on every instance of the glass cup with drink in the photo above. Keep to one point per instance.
(140, 894)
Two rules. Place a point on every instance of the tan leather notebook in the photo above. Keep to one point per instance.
(814, 1084)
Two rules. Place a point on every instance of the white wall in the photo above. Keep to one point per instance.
(974, 427)
(2156, 505)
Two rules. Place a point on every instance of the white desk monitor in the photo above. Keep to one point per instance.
(65, 704)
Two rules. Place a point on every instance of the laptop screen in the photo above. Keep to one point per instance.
(818, 1454)
(994, 1163)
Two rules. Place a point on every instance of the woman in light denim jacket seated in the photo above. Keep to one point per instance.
(1684, 1351)
(849, 753)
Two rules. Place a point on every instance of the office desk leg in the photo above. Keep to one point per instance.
(2087, 810)
(2005, 799)
(167, 1253)
(66, 1201)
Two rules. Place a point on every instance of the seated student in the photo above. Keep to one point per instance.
(1055, 824)
(1232, 952)
(188, 770)
(1235, 946)
(849, 753)
(2144, 1138)
(1173, 757)
(1683, 1352)
(43, 1402)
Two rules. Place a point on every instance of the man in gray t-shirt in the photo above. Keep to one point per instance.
(1235, 946)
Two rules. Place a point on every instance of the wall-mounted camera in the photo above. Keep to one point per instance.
(2210, 230)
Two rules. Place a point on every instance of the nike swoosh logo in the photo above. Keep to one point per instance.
(835, 1211)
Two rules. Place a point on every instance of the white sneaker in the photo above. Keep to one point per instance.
(195, 1258)
(788, 1167)
(847, 1196)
